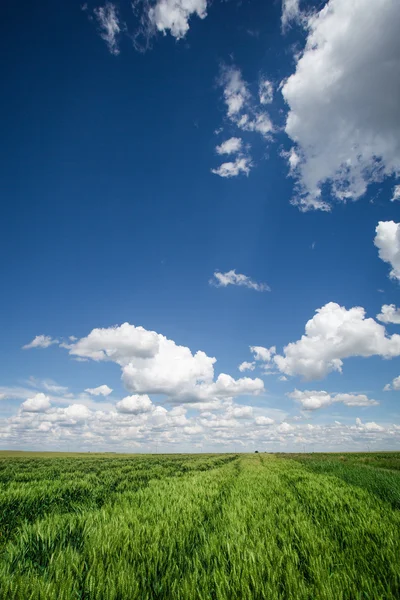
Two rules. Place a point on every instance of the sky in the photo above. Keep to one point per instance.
(200, 226)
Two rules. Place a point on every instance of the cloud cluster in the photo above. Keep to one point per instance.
(387, 240)
(136, 423)
(245, 114)
(343, 114)
(313, 400)
(232, 278)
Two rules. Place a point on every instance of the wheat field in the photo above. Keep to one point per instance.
(199, 527)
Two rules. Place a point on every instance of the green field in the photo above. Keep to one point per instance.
(199, 526)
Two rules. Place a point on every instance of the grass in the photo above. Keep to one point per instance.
(199, 527)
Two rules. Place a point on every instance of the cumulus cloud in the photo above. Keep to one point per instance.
(242, 164)
(232, 278)
(247, 366)
(335, 333)
(396, 193)
(154, 364)
(387, 240)
(372, 426)
(118, 344)
(264, 421)
(313, 400)
(343, 114)
(389, 314)
(231, 146)
(135, 404)
(40, 341)
(101, 390)
(395, 385)
(263, 354)
(38, 403)
(174, 15)
(107, 19)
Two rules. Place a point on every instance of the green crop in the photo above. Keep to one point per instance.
(199, 527)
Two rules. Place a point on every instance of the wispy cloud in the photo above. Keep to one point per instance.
(232, 278)
(109, 25)
(40, 341)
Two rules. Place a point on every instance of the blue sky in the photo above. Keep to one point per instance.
(120, 206)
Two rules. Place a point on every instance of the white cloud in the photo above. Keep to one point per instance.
(153, 364)
(389, 314)
(290, 12)
(174, 15)
(247, 366)
(242, 110)
(396, 193)
(242, 164)
(335, 333)
(40, 341)
(395, 385)
(313, 400)
(227, 426)
(38, 403)
(232, 278)
(117, 344)
(264, 421)
(263, 354)
(101, 390)
(135, 404)
(231, 146)
(387, 240)
(266, 91)
(108, 21)
(372, 426)
(285, 428)
(236, 93)
(343, 114)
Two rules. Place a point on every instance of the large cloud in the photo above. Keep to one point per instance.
(335, 333)
(313, 400)
(343, 99)
(387, 240)
(154, 364)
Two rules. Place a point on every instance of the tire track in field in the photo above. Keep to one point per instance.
(197, 536)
